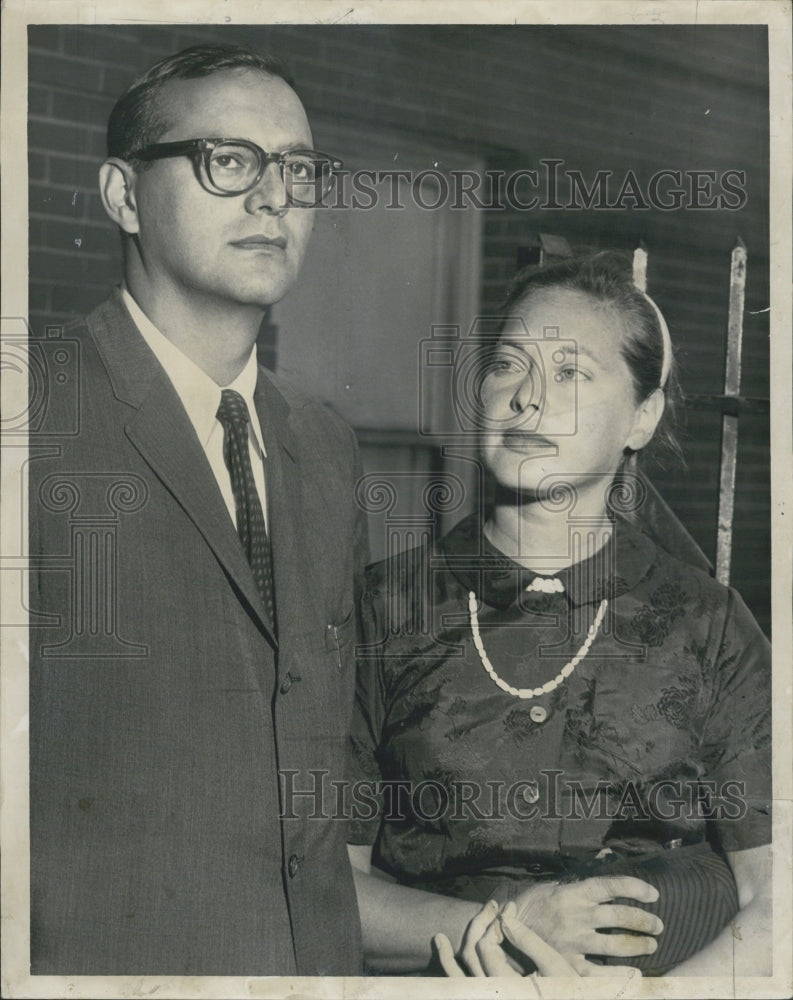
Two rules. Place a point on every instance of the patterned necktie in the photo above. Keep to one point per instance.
(233, 415)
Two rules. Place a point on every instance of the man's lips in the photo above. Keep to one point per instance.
(260, 242)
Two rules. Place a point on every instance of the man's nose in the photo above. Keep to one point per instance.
(269, 195)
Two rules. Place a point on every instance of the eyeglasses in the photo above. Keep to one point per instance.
(228, 167)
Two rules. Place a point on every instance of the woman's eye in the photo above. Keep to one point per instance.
(501, 365)
(570, 374)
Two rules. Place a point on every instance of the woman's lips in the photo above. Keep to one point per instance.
(518, 440)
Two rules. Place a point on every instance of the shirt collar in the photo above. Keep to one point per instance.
(200, 395)
(499, 581)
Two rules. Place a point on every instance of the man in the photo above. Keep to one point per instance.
(198, 552)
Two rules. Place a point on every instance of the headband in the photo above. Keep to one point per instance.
(666, 364)
(640, 282)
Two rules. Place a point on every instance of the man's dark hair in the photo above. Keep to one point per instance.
(136, 121)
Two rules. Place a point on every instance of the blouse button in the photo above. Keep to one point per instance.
(538, 714)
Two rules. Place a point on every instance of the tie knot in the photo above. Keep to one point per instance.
(232, 409)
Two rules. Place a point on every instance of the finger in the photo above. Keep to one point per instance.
(443, 947)
(480, 923)
(605, 887)
(631, 918)
(619, 945)
(473, 933)
(585, 968)
(491, 955)
(623, 971)
(547, 959)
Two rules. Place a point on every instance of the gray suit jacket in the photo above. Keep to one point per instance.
(162, 709)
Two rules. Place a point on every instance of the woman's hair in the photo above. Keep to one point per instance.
(607, 276)
(136, 121)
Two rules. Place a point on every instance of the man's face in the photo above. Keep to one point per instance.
(215, 248)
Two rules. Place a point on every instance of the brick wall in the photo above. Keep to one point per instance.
(642, 98)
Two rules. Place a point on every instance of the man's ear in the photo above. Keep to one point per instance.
(647, 416)
(117, 189)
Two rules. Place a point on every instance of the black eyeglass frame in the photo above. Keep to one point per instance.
(200, 150)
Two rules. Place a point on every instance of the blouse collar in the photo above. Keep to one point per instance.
(499, 581)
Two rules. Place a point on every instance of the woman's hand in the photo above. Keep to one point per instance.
(481, 951)
(569, 917)
(482, 954)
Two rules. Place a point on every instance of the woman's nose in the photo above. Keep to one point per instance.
(527, 394)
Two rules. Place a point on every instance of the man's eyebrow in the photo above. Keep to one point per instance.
(287, 147)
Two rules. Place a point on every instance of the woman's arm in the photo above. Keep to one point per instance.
(743, 948)
(399, 922)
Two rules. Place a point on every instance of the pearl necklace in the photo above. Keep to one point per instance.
(546, 585)
(566, 670)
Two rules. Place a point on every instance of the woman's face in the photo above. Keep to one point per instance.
(557, 396)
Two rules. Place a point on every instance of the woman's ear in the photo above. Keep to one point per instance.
(647, 416)
(117, 188)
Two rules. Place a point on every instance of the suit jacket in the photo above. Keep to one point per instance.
(163, 840)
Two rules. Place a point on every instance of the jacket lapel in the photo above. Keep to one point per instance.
(286, 532)
(165, 438)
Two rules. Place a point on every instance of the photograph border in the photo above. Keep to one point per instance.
(16, 16)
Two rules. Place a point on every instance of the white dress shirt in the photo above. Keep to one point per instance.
(200, 396)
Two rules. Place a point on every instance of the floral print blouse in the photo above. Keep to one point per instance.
(660, 734)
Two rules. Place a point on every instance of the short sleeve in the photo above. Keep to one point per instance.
(737, 738)
(367, 723)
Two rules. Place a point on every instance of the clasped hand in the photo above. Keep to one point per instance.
(557, 926)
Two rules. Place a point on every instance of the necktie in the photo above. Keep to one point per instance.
(233, 415)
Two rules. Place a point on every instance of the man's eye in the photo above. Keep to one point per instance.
(226, 161)
(301, 170)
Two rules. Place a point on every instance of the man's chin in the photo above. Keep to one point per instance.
(266, 294)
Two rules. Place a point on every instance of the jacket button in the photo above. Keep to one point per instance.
(286, 683)
(294, 864)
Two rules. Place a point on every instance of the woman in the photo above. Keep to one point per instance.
(563, 714)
